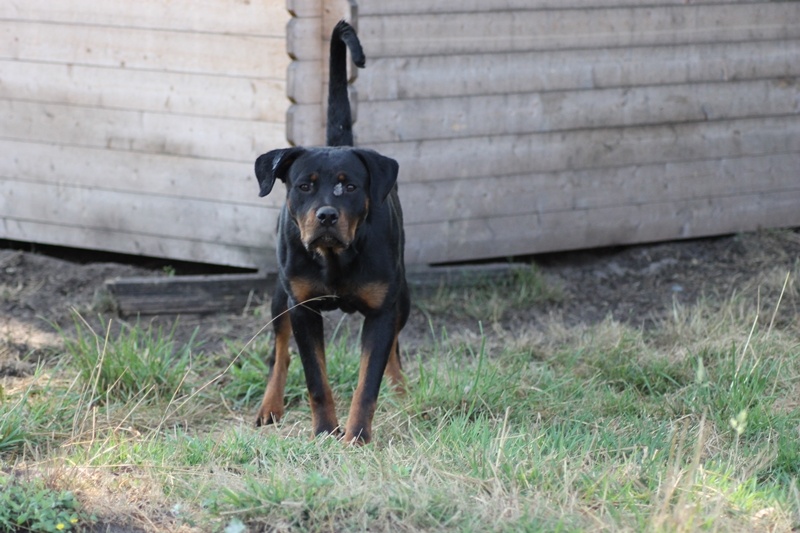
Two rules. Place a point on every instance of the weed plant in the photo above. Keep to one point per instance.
(134, 363)
(28, 505)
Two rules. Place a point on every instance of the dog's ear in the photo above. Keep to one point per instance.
(275, 164)
(382, 173)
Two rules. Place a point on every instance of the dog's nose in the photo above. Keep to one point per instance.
(327, 216)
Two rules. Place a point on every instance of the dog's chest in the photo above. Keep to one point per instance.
(349, 296)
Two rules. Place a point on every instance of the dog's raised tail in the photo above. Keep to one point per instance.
(340, 121)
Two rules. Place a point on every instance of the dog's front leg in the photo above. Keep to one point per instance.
(308, 333)
(378, 345)
(272, 405)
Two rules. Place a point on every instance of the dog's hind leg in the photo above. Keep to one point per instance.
(394, 370)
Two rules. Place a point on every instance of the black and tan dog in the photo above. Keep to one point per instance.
(340, 246)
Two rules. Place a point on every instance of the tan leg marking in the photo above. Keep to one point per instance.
(272, 405)
(394, 371)
(359, 422)
(323, 413)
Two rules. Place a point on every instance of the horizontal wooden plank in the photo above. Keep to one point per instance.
(266, 17)
(569, 230)
(438, 118)
(409, 7)
(506, 31)
(123, 171)
(160, 133)
(144, 90)
(61, 234)
(138, 214)
(501, 155)
(189, 294)
(175, 51)
(558, 70)
(503, 196)
(235, 292)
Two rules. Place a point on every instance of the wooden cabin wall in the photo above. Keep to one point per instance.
(133, 126)
(521, 126)
(526, 126)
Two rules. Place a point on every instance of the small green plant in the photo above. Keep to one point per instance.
(28, 505)
(136, 362)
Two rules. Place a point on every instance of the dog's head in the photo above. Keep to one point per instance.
(329, 191)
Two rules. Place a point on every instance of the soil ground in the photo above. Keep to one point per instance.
(638, 284)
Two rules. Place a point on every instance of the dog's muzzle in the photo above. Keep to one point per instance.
(325, 229)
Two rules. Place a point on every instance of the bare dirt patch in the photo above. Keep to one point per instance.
(637, 284)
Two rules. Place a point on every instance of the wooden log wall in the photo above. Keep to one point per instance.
(133, 126)
(521, 126)
(527, 126)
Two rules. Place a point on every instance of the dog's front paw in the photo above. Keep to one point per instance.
(356, 438)
(267, 416)
(334, 433)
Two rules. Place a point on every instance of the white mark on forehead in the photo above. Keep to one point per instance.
(338, 189)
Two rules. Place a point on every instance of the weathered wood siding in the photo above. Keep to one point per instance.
(528, 126)
(521, 126)
(133, 126)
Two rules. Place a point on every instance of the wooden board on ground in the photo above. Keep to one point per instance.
(238, 292)
(187, 294)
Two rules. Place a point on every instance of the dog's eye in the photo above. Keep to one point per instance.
(350, 187)
(305, 187)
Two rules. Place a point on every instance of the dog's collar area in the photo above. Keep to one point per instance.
(333, 263)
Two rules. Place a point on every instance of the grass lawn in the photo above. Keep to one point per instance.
(690, 425)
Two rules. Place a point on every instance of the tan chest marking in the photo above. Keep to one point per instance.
(304, 289)
(373, 294)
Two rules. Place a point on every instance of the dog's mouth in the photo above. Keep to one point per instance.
(325, 239)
